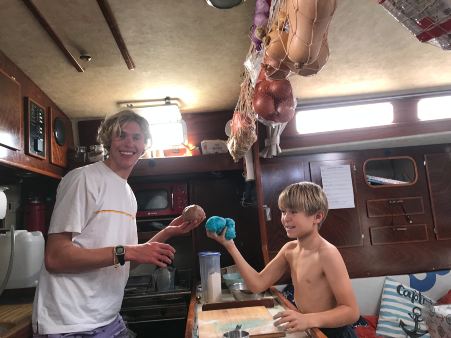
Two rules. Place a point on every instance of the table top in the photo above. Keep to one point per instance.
(269, 312)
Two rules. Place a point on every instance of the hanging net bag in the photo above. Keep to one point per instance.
(243, 129)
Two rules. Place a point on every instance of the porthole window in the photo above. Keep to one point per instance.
(390, 171)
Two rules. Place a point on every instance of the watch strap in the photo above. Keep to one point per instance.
(119, 252)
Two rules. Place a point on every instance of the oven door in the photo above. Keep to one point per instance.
(156, 314)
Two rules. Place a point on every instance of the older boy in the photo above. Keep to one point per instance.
(93, 239)
(323, 291)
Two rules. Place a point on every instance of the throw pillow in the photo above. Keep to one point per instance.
(400, 314)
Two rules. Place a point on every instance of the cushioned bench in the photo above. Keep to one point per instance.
(401, 291)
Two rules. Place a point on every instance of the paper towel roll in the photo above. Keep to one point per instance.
(3, 204)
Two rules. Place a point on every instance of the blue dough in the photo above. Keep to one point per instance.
(230, 232)
(217, 224)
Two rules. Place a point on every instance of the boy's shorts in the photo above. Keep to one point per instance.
(340, 332)
(116, 329)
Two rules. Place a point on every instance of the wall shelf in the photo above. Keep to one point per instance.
(185, 165)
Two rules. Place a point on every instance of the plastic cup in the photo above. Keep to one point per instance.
(210, 276)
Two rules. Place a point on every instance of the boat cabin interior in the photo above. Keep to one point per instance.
(251, 109)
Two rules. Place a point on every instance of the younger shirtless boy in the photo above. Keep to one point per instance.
(322, 288)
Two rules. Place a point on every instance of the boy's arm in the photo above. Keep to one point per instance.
(255, 281)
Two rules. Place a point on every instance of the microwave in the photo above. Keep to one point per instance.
(160, 199)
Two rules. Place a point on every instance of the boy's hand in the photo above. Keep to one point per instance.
(220, 238)
(291, 321)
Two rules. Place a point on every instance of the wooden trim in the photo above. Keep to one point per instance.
(266, 302)
(111, 21)
(399, 234)
(380, 207)
(260, 202)
(38, 15)
(291, 139)
(191, 314)
(184, 165)
(11, 111)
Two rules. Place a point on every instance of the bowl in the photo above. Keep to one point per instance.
(241, 292)
(236, 334)
(232, 278)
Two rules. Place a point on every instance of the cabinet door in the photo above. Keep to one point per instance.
(220, 195)
(275, 177)
(438, 167)
(342, 226)
(10, 112)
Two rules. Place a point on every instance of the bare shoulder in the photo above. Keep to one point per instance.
(291, 245)
(329, 253)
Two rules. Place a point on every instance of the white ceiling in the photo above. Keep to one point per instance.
(191, 51)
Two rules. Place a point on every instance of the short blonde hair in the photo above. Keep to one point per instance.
(112, 126)
(306, 197)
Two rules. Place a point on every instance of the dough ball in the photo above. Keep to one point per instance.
(193, 212)
(217, 224)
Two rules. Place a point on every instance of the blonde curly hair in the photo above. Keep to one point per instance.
(112, 126)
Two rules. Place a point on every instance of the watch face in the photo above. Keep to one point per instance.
(120, 250)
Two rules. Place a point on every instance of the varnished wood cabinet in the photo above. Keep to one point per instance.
(11, 124)
(342, 227)
(276, 174)
(220, 194)
(16, 89)
(393, 229)
(438, 168)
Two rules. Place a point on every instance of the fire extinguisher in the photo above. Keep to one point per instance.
(35, 215)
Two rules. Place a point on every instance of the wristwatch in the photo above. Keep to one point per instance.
(119, 251)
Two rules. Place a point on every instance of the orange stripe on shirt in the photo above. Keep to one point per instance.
(116, 212)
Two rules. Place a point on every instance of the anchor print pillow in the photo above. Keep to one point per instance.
(400, 313)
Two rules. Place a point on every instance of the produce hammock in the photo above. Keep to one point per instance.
(243, 128)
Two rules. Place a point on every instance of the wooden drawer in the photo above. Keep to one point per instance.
(399, 234)
(395, 206)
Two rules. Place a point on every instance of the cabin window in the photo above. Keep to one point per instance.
(166, 126)
(434, 108)
(344, 117)
(168, 135)
(390, 171)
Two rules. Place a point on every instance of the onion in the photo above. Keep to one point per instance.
(273, 99)
(260, 21)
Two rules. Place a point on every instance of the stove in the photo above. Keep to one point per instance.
(142, 304)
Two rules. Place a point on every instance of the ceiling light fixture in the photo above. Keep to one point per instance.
(156, 111)
(224, 4)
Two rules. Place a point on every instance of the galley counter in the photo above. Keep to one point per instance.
(214, 319)
(15, 313)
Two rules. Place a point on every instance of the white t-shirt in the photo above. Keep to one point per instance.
(99, 208)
